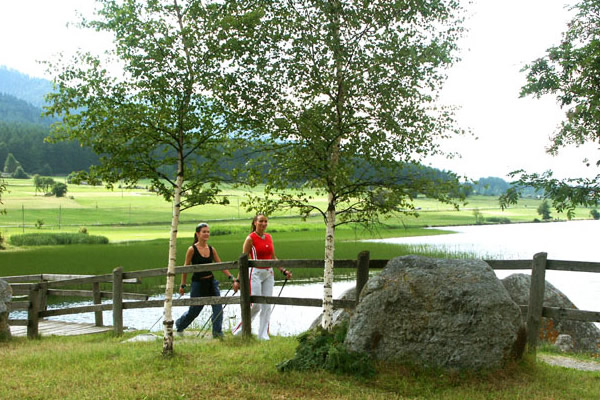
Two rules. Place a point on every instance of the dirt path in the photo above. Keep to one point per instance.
(569, 362)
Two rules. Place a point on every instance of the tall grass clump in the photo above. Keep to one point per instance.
(52, 239)
(322, 349)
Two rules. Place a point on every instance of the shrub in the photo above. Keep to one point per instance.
(83, 230)
(39, 223)
(321, 349)
(59, 189)
(20, 173)
(497, 220)
(544, 210)
(595, 214)
(50, 239)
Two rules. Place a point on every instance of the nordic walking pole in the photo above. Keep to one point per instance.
(279, 295)
(159, 318)
(209, 317)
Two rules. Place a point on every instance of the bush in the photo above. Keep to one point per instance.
(497, 220)
(595, 214)
(321, 349)
(544, 210)
(83, 230)
(20, 173)
(51, 239)
(59, 189)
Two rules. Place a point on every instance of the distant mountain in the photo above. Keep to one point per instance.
(24, 87)
(13, 109)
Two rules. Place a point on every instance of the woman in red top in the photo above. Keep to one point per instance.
(259, 246)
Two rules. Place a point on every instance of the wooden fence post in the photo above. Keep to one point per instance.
(43, 296)
(97, 300)
(245, 296)
(362, 272)
(33, 312)
(118, 301)
(536, 300)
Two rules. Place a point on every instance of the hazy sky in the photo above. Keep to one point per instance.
(503, 35)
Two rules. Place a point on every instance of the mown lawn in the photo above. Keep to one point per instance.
(103, 367)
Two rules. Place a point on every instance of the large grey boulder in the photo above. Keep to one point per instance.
(585, 335)
(5, 296)
(453, 314)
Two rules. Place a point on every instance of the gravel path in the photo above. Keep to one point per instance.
(569, 362)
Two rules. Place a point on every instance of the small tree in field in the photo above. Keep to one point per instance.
(544, 210)
(59, 189)
(10, 164)
(19, 173)
(156, 119)
(343, 95)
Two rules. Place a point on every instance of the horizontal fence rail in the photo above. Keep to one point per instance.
(38, 287)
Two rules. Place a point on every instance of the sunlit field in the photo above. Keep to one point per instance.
(128, 214)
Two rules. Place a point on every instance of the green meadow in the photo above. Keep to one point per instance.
(110, 368)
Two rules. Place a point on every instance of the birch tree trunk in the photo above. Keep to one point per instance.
(330, 215)
(168, 307)
(327, 320)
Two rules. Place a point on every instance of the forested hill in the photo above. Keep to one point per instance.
(13, 109)
(24, 87)
(23, 130)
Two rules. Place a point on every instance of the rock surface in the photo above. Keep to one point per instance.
(5, 296)
(585, 335)
(453, 314)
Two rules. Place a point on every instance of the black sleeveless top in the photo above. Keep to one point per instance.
(198, 259)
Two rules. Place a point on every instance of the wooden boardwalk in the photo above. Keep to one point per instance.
(60, 328)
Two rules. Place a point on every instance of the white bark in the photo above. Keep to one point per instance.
(327, 320)
(168, 307)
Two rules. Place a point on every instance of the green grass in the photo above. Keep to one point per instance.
(136, 214)
(53, 239)
(109, 369)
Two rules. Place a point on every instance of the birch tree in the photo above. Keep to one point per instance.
(155, 118)
(346, 92)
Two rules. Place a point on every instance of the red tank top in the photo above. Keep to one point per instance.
(262, 249)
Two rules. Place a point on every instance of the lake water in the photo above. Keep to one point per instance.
(574, 240)
(285, 320)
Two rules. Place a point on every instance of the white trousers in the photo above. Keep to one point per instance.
(262, 281)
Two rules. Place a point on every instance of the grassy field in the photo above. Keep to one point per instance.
(108, 368)
(137, 214)
(137, 222)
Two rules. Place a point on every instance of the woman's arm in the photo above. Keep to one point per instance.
(247, 247)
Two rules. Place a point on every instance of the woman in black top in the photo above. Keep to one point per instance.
(203, 283)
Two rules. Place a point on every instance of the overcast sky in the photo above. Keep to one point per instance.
(503, 35)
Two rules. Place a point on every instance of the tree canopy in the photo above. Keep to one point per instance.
(570, 71)
(156, 119)
(346, 93)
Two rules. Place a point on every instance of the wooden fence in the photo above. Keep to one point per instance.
(45, 285)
